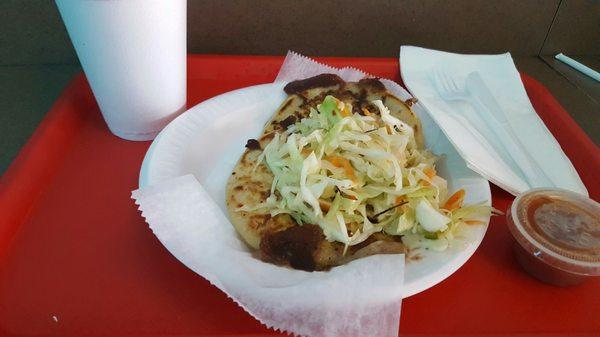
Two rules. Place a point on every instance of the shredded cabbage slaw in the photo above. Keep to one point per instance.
(354, 175)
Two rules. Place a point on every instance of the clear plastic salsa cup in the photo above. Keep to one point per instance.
(557, 235)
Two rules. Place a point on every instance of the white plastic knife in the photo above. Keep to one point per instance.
(492, 111)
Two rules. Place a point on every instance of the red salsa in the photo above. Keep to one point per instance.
(557, 235)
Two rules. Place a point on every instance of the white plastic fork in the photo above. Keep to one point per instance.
(495, 120)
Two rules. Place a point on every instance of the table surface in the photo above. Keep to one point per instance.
(83, 259)
(27, 92)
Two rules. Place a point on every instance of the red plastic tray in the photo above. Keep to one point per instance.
(77, 258)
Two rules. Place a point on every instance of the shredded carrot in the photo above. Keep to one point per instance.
(424, 183)
(324, 205)
(455, 201)
(343, 108)
(346, 111)
(366, 111)
(474, 222)
(399, 199)
(351, 197)
(342, 162)
(429, 172)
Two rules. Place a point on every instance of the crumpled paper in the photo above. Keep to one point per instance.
(362, 298)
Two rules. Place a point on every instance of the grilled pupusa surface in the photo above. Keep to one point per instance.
(279, 239)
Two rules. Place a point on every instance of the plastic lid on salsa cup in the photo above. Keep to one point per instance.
(560, 227)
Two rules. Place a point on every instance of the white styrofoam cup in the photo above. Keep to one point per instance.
(133, 53)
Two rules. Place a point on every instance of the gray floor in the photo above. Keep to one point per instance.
(27, 92)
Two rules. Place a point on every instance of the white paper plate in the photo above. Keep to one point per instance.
(208, 139)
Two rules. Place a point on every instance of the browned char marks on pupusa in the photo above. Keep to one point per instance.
(295, 246)
(319, 81)
(372, 84)
(253, 144)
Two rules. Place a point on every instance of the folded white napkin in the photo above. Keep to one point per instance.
(466, 128)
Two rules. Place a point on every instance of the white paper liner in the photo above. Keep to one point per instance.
(361, 298)
(310, 304)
